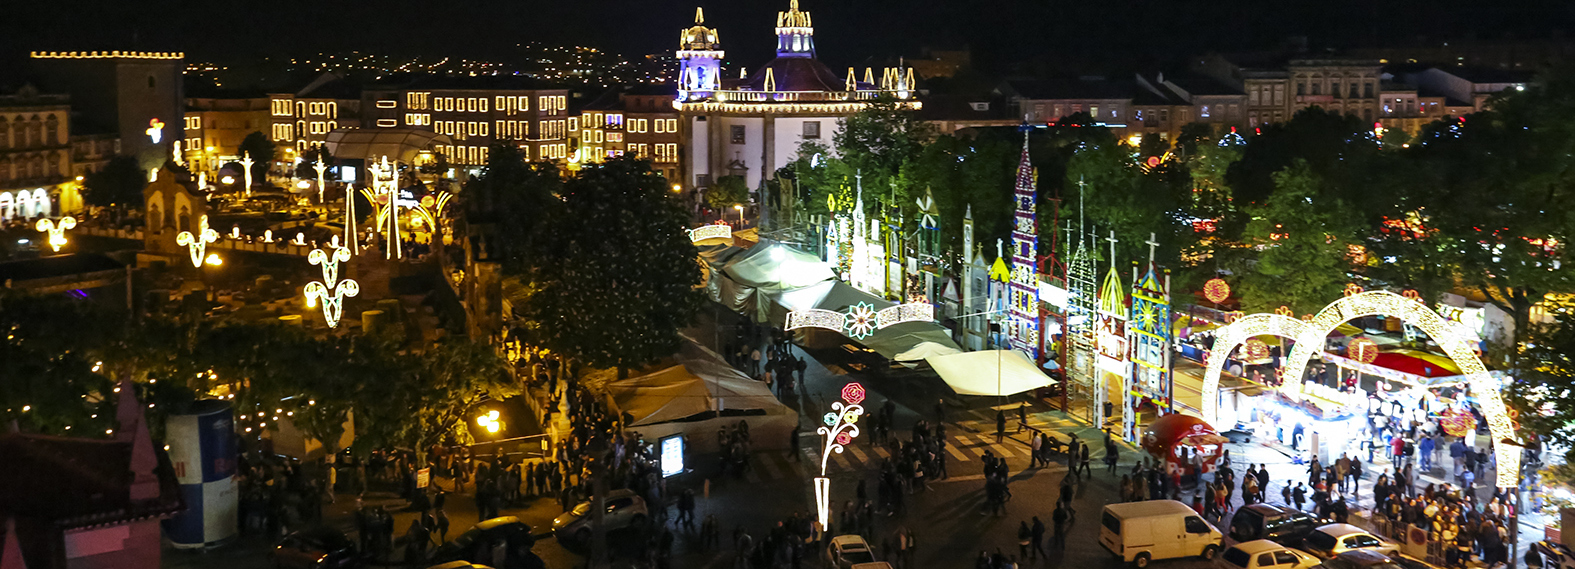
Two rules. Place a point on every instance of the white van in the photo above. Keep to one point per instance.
(1140, 532)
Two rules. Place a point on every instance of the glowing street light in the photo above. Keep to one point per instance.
(213, 260)
(490, 422)
(57, 231)
(740, 209)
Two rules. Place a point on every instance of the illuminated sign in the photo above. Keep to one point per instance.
(860, 320)
(717, 231)
(1056, 296)
(155, 130)
(672, 448)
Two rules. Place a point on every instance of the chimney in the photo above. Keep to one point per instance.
(133, 428)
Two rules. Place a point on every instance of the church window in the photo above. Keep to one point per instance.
(811, 129)
(737, 131)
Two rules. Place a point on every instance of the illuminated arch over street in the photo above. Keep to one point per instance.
(1310, 337)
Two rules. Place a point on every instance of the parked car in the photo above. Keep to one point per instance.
(316, 548)
(624, 509)
(1361, 559)
(849, 551)
(1141, 532)
(1282, 525)
(1330, 540)
(476, 543)
(1263, 554)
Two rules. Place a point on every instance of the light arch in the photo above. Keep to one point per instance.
(1310, 338)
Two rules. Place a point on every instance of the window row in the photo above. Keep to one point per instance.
(459, 130)
(554, 130)
(418, 119)
(515, 130)
(24, 134)
(470, 155)
(194, 123)
(414, 101)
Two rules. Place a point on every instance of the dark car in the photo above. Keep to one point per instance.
(316, 547)
(1278, 524)
(1361, 559)
(475, 545)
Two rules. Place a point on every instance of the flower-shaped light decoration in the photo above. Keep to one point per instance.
(841, 425)
(853, 393)
(1216, 290)
(57, 230)
(860, 321)
(197, 242)
(1364, 350)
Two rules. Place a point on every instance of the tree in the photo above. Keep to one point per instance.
(876, 142)
(514, 200)
(620, 278)
(1495, 193)
(1544, 386)
(727, 192)
(1117, 195)
(1304, 239)
(262, 152)
(1330, 143)
(118, 184)
(307, 167)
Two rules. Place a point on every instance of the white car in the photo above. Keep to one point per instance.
(1263, 554)
(1333, 539)
(848, 551)
(624, 509)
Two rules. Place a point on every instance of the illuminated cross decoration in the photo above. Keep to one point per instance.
(246, 162)
(57, 230)
(1152, 245)
(179, 161)
(330, 291)
(350, 238)
(155, 130)
(1112, 239)
(320, 167)
(197, 244)
(841, 427)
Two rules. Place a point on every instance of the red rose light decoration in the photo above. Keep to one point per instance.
(1216, 290)
(1256, 349)
(1457, 423)
(1363, 350)
(843, 438)
(853, 393)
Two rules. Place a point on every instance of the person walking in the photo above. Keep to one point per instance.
(1034, 455)
(1024, 539)
(1022, 417)
(1059, 519)
(1037, 537)
(1000, 426)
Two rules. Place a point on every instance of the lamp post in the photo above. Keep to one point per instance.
(740, 208)
(320, 167)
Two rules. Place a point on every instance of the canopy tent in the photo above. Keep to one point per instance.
(698, 396)
(924, 350)
(401, 144)
(892, 341)
(1414, 365)
(777, 267)
(994, 372)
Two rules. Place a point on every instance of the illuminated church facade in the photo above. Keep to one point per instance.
(752, 124)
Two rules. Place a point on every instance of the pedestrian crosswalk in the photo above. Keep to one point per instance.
(964, 451)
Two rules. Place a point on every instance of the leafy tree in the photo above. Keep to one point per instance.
(972, 174)
(118, 184)
(514, 200)
(1304, 238)
(1544, 386)
(307, 168)
(1117, 195)
(620, 279)
(876, 142)
(1330, 143)
(262, 152)
(1493, 192)
(727, 192)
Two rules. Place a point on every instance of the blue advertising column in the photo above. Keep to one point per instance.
(202, 451)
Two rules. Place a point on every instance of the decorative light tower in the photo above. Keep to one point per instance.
(1023, 303)
(197, 243)
(385, 195)
(700, 60)
(1149, 333)
(1111, 335)
(330, 291)
(841, 427)
(1082, 292)
(57, 230)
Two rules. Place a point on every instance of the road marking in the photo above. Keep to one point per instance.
(882, 452)
(841, 460)
(771, 470)
(859, 454)
(957, 453)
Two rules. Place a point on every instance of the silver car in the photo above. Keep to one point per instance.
(624, 509)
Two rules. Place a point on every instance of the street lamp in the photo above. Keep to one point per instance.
(740, 209)
(677, 188)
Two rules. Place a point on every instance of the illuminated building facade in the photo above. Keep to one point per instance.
(303, 119)
(638, 121)
(753, 124)
(35, 154)
(214, 129)
(136, 95)
(475, 113)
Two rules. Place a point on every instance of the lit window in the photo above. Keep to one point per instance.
(574, 124)
(481, 106)
(811, 129)
(387, 122)
(387, 104)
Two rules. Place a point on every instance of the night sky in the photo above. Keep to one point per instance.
(1001, 32)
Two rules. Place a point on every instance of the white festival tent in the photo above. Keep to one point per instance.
(698, 395)
(993, 372)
